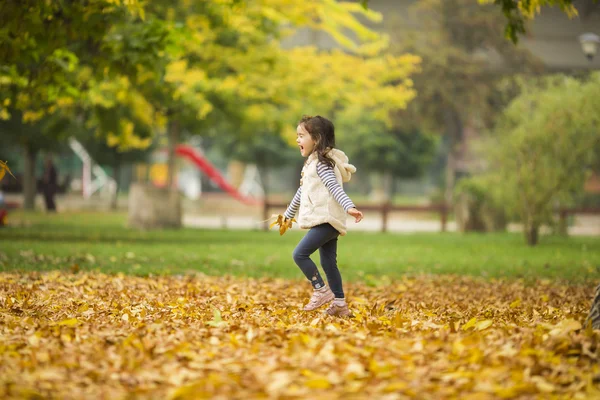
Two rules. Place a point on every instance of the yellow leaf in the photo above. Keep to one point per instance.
(34, 340)
(481, 325)
(565, 326)
(284, 223)
(69, 322)
(470, 324)
(515, 303)
(543, 385)
(396, 386)
(318, 383)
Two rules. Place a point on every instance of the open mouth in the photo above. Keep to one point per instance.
(301, 148)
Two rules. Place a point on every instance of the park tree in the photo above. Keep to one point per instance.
(464, 57)
(225, 68)
(543, 149)
(515, 25)
(228, 65)
(47, 133)
(62, 58)
(187, 67)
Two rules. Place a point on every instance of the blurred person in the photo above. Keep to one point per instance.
(322, 205)
(49, 184)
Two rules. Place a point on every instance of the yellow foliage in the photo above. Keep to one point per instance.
(273, 85)
(204, 109)
(126, 139)
(32, 116)
(175, 71)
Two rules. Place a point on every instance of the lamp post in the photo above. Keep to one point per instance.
(589, 44)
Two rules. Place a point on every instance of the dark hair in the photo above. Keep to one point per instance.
(322, 131)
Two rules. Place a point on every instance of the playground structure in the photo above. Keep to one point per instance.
(198, 159)
(95, 179)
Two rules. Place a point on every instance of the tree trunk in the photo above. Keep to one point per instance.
(173, 141)
(450, 177)
(264, 178)
(378, 190)
(115, 196)
(453, 133)
(393, 187)
(388, 182)
(29, 178)
(531, 233)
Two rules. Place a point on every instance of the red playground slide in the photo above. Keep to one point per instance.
(202, 163)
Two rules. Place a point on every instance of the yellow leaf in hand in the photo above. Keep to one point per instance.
(3, 169)
(277, 220)
(284, 223)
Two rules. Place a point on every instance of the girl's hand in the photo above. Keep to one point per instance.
(358, 216)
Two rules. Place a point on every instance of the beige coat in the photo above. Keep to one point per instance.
(317, 205)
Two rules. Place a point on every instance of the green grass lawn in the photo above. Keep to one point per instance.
(101, 241)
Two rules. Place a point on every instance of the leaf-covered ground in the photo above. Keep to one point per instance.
(90, 335)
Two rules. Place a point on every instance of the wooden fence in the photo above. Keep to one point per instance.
(383, 209)
(563, 213)
(442, 209)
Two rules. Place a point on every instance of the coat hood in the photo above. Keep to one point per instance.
(341, 164)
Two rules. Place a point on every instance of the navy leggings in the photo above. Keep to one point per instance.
(323, 237)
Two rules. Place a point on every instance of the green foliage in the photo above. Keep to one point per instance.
(267, 150)
(44, 45)
(478, 204)
(373, 146)
(545, 146)
(127, 70)
(458, 43)
(226, 64)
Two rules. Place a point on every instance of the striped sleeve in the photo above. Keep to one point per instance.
(327, 175)
(294, 205)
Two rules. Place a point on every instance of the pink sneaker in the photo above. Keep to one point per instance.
(319, 297)
(339, 311)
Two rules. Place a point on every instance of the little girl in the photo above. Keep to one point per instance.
(323, 207)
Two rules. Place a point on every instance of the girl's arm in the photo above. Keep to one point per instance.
(294, 205)
(327, 175)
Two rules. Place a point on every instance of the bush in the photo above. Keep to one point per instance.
(543, 149)
(476, 208)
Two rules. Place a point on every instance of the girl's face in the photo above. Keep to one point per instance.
(305, 141)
